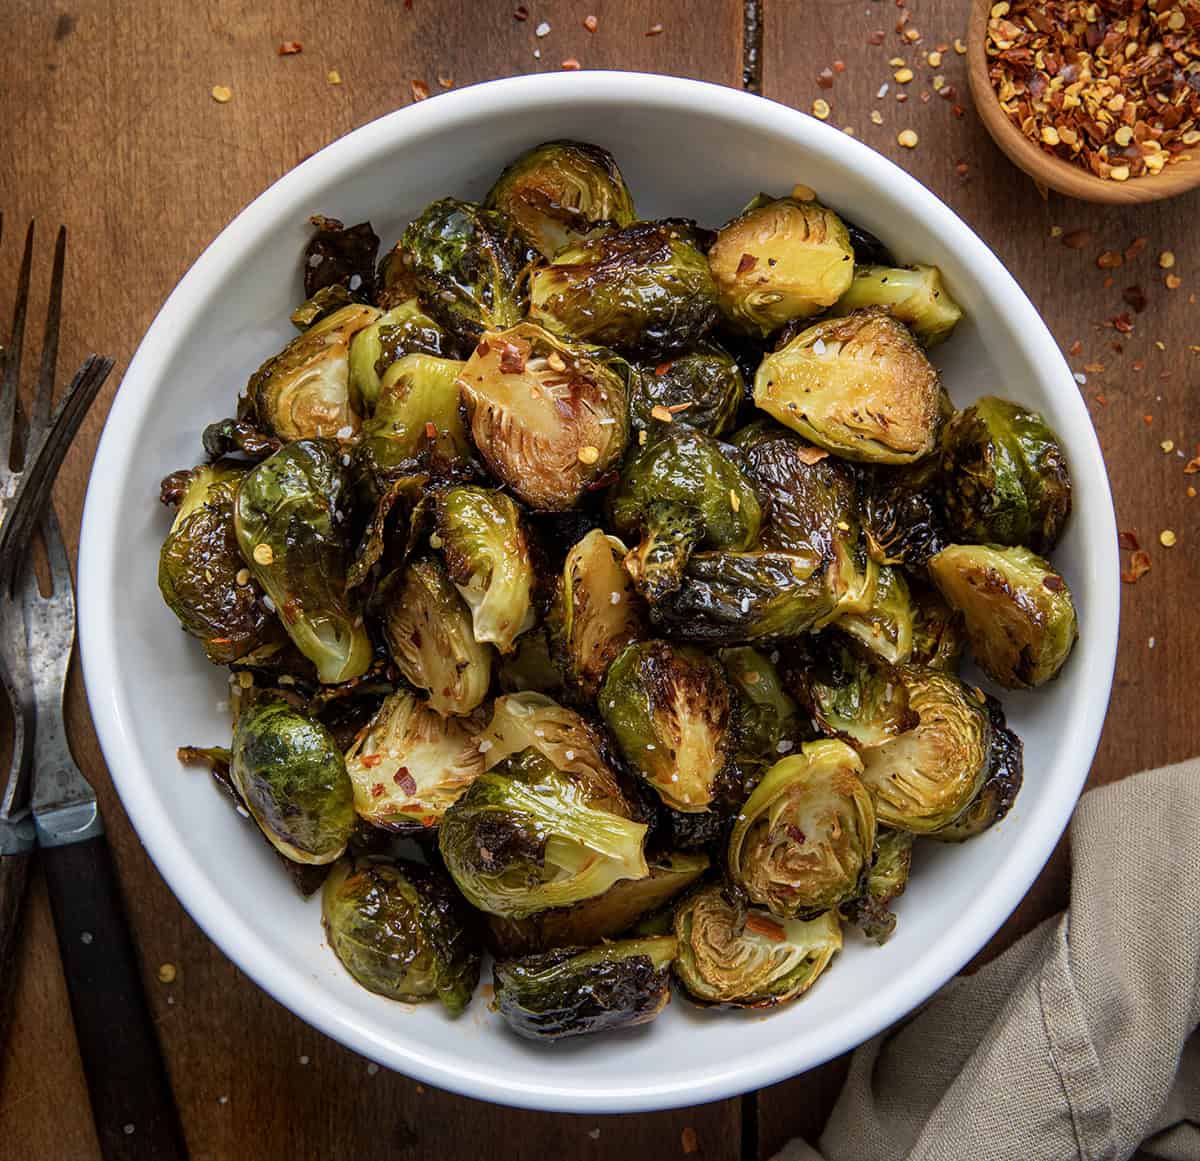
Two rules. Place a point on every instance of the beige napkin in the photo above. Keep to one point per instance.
(1078, 1041)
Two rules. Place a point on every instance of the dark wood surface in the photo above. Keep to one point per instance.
(108, 126)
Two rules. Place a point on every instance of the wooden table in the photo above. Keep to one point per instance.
(109, 126)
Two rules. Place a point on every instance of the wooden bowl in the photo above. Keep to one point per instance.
(1176, 177)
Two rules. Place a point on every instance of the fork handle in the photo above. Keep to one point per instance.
(122, 1061)
(14, 870)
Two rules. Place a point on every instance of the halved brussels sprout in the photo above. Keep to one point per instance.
(1006, 476)
(872, 911)
(731, 597)
(401, 931)
(769, 719)
(573, 991)
(608, 915)
(339, 255)
(1018, 612)
(289, 516)
(702, 389)
(914, 294)
(858, 386)
(304, 392)
(670, 710)
(427, 626)
(417, 418)
(938, 631)
(596, 611)
(925, 778)
(410, 764)
(644, 289)
(903, 513)
(804, 840)
(886, 627)
(199, 566)
(292, 777)
(744, 956)
(227, 436)
(778, 260)
(323, 303)
(557, 192)
(670, 534)
(487, 556)
(527, 836)
(404, 330)
(467, 264)
(549, 417)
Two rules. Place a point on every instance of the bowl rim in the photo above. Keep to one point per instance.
(115, 717)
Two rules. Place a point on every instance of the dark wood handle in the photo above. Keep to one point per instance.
(14, 870)
(132, 1103)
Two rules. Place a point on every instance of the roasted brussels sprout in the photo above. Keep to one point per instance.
(572, 991)
(410, 764)
(858, 386)
(292, 778)
(872, 910)
(925, 778)
(915, 295)
(557, 192)
(338, 255)
(803, 841)
(596, 612)
(1006, 476)
(642, 290)
(401, 930)
(670, 534)
(728, 598)
(428, 630)
(241, 435)
(702, 389)
(549, 417)
(903, 513)
(778, 260)
(886, 627)
(769, 719)
(327, 300)
(304, 391)
(1018, 612)
(527, 836)
(603, 917)
(744, 956)
(487, 556)
(289, 516)
(670, 710)
(199, 567)
(404, 330)
(467, 264)
(938, 632)
(530, 666)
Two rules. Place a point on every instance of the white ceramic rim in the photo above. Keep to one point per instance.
(99, 566)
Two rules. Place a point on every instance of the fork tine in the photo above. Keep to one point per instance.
(12, 357)
(44, 398)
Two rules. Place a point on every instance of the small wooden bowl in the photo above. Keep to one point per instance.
(1176, 177)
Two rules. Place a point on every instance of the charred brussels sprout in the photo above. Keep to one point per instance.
(744, 956)
(804, 840)
(410, 764)
(401, 931)
(701, 389)
(487, 557)
(467, 265)
(573, 991)
(305, 391)
(938, 632)
(404, 330)
(199, 566)
(915, 295)
(769, 718)
(903, 513)
(596, 612)
(644, 289)
(1006, 476)
(429, 635)
(292, 778)
(670, 710)
(925, 778)
(670, 534)
(339, 255)
(872, 911)
(549, 417)
(289, 519)
(886, 627)
(858, 386)
(1018, 612)
(557, 192)
(780, 259)
(323, 303)
(603, 917)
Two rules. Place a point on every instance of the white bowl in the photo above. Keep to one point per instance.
(686, 149)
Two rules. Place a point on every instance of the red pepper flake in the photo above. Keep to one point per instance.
(689, 1141)
(762, 925)
(959, 112)
(512, 359)
(1122, 322)
(1128, 540)
(1109, 283)
(405, 781)
(1135, 297)
(663, 368)
(1148, 420)
(445, 82)
(431, 430)
(796, 834)
(1077, 239)
(520, 12)
(482, 348)
(876, 37)
(1193, 465)
(1102, 400)
(654, 30)
(746, 263)
(1076, 348)
(1139, 565)
(420, 90)
(377, 790)
(1139, 365)
(811, 455)
(1135, 248)
(370, 761)
(571, 64)
(591, 23)
(961, 169)
(290, 48)
(839, 66)
(1109, 260)
(1094, 368)
(825, 79)
(1054, 583)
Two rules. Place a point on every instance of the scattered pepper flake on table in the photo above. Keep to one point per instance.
(689, 1141)
(334, 77)
(1139, 565)
(290, 48)
(908, 138)
(571, 64)
(591, 23)
(420, 90)
(1173, 281)
(222, 94)
(654, 30)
